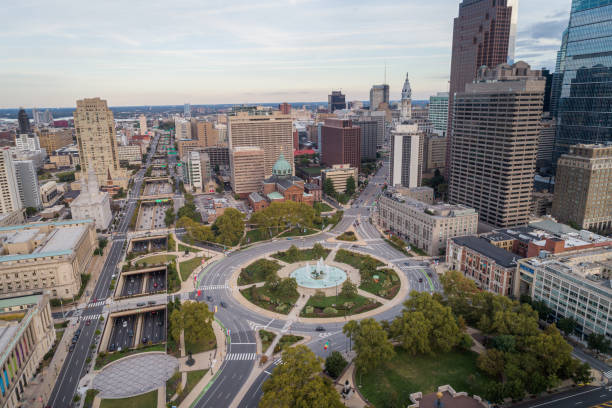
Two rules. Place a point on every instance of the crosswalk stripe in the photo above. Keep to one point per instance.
(242, 356)
(213, 287)
(608, 374)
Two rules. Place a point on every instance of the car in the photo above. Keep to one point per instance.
(124, 324)
(209, 298)
(77, 333)
(223, 304)
(155, 285)
(87, 323)
(141, 304)
(151, 302)
(160, 323)
(74, 340)
(71, 348)
(420, 280)
(320, 329)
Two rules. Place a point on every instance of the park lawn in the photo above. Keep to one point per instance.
(417, 250)
(171, 384)
(89, 397)
(147, 400)
(105, 358)
(275, 304)
(394, 381)
(187, 267)
(380, 288)
(360, 304)
(155, 260)
(347, 236)
(298, 232)
(353, 259)
(305, 255)
(256, 235)
(193, 377)
(266, 338)
(183, 248)
(322, 207)
(257, 271)
(208, 343)
(286, 341)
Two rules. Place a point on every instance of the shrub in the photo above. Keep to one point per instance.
(330, 310)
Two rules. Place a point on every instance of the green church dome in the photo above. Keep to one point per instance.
(282, 168)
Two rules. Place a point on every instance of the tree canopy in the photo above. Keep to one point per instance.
(370, 342)
(283, 215)
(195, 319)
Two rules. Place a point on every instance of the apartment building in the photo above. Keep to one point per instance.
(52, 139)
(247, 169)
(10, 200)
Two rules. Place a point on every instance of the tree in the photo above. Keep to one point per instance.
(334, 364)
(349, 289)
(293, 254)
(328, 188)
(30, 211)
(229, 227)
(598, 342)
(287, 288)
(371, 344)
(318, 251)
(567, 325)
(296, 383)
(219, 189)
(350, 186)
(169, 217)
(492, 362)
(413, 332)
(195, 320)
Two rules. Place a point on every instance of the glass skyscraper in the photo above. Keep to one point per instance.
(583, 86)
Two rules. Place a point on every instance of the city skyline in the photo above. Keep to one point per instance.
(243, 53)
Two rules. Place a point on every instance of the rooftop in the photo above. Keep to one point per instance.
(18, 301)
(433, 210)
(275, 196)
(481, 245)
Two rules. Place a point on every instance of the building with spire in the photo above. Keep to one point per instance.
(406, 103)
(91, 202)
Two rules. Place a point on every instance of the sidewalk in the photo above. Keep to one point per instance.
(355, 400)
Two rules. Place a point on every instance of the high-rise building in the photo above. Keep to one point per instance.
(24, 121)
(546, 142)
(406, 164)
(27, 183)
(583, 187)
(143, 124)
(336, 100)
(434, 153)
(247, 169)
(285, 108)
(92, 204)
(406, 102)
(187, 110)
(52, 139)
(368, 138)
(271, 131)
(379, 94)
(484, 34)
(583, 77)
(95, 134)
(182, 129)
(340, 143)
(10, 199)
(438, 112)
(420, 115)
(42, 117)
(493, 158)
(204, 132)
(27, 141)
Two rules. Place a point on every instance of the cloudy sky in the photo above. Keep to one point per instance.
(135, 52)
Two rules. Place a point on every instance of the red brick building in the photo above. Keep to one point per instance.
(340, 143)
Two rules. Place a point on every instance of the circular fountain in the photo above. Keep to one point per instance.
(319, 276)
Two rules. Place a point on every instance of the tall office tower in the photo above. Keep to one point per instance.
(10, 199)
(143, 124)
(27, 183)
(434, 154)
(52, 139)
(484, 33)
(271, 131)
(95, 134)
(368, 138)
(583, 187)
(247, 169)
(496, 125)
(340, 143)
(187, 110)
(406, 167)
(546, 142)
(585, 74)
(285, 108)
(438, 113)
(336, 100)
(204, 132)
(379, 94)
(182, 129)
(27, 141)
(547, 91)
(24, 121)
(406, 103)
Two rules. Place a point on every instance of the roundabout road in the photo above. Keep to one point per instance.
(243, 322)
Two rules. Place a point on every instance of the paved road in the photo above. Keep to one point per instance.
(154, 329)
(582, 397)
(74, 366)
(122, 333)
(132, 285)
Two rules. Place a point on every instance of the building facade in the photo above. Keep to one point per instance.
(10, 199)
(92, 203)
(406, 163)
(546, 142)
(205, 132)
(340, 143)
(26, 334)
(52, 139)
(379, 94)
(434, 153)
(493, 159)
(247, 170)
(27, 141)
(198, 171)
(339, 174)
(27, 182)
(583, 187)
(424, 225)
(97, 141)
(130, 154)
(182, 129)
(369, 138)
(438, 113)
(335, 101)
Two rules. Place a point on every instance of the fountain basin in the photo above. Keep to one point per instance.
(315, 277)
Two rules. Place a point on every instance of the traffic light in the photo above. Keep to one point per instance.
(326, 345)
(199, 292)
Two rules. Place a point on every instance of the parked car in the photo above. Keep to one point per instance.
(320, 329)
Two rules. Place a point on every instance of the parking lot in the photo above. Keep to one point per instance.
(151, 216)
(122, 335)
(154, 327)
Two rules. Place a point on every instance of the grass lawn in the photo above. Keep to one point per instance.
(256, 235)
(183, 248)
(171, 384)
(147, 400)
(257, 271)
(104, 358)
(398, 246)
(263, 298)
(322, 207)
(304, 255)
(347, 236)
(392, 384)
(89, 398)
(298, 232)
(155, 260)
(353, 259)
(49, 355)
(188, 266)
(344, 306)
(286, 341)
(266, 339)
(418, 250)
(387, 286)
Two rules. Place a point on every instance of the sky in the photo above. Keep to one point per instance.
(134, 52)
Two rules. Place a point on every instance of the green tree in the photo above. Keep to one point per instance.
(598, 342)
(350, 186)
(296, 383)
(287, 288)
(370, 342)
(328, 188)
(293, 254)
(318, 251)
(567, 325)
(229, 227)
(492, 362)
(196, 321)
(334, 364)
(349, 289)
(169, 217)
(30, 211)
(413, 331)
